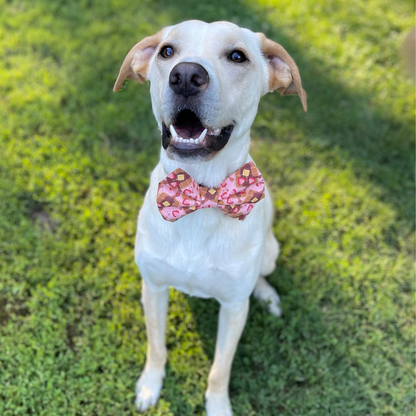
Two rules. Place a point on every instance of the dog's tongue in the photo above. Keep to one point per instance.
(188, 125)
(189, 131)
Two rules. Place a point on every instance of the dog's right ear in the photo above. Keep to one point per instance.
(136, 63)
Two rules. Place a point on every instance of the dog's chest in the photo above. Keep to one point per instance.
(206, 255)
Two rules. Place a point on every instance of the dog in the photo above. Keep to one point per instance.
(206, 80)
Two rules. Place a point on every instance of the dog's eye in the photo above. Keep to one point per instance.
(166, 51)
(237, 56)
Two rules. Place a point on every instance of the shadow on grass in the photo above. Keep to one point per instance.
(279, 360)
(379, 146)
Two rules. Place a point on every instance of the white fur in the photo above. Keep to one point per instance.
(206, 254)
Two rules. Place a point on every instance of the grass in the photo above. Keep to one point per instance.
(74, 167)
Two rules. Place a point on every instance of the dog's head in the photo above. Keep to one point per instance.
(206, 82)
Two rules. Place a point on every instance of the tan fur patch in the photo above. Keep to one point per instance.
(136, 63)
(286, 80)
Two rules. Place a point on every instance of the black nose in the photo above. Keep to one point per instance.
(188, 79)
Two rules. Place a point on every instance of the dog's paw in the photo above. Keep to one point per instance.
(217, 405)
(273, 305)
(148, 389)
(267, 295)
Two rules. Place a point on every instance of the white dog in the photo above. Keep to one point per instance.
(206, 81)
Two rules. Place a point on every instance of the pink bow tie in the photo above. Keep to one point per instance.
(178, 194)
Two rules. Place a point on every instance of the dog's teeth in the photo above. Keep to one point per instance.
(202, 136)
(173, 132)
(196, 141)
(217, 131)
(192, 141)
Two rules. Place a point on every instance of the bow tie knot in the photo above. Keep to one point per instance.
(178, 194)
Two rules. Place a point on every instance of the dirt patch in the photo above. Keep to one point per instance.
(43, 220)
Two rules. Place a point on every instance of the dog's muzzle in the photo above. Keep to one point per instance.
(186, 135)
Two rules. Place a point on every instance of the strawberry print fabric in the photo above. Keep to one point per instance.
(178, 194)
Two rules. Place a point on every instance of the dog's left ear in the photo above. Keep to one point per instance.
(283, 72)
(136, 63)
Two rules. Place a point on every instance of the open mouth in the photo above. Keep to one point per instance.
(188, 136)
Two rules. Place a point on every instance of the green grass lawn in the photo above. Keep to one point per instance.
(74, 165)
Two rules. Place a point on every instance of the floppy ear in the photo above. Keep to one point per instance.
(136, 63)
(283, 72)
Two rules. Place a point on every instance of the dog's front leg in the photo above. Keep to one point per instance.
(155, 304)
(232, 319)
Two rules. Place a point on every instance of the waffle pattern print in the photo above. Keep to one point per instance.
(178, 194)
